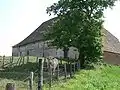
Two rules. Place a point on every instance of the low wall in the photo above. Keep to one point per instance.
(112, 58)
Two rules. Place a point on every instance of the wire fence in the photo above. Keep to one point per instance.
(10, 61)
(62, 72)
(16, 69)
(12, 68)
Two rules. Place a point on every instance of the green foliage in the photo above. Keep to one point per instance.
(105, 78)
(79, 24)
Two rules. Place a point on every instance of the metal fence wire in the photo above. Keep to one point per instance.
(42, 74)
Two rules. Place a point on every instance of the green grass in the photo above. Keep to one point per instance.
(17, 74)
(20, 85)
(105, 78)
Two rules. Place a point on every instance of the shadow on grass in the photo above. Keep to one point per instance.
(23, 71)
(18, 72)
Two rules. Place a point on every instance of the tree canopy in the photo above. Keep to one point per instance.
(79, 23)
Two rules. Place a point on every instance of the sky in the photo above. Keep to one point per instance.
(19, 18)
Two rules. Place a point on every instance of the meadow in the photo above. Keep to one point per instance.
(105, 77)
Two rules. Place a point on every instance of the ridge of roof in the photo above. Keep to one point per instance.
(36, 35)
(110, 42)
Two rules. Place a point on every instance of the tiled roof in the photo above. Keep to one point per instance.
(110, 42)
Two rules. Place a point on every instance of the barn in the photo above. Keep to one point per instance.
(34, 45)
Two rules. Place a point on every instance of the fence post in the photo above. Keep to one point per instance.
(79, 63)
(3, 61)
(12, 61)
(12, 58)
(50, 76)
(65, 71)
(60, 61)
(20, 60)
(10, 86)
(40, 74)
(70, 69)
(27, 58)
(23, 60)
(31, 81)
(74, 66)
(17, 61)
(58, 72)
(36, 59)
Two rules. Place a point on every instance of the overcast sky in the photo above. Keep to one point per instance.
(19, 18)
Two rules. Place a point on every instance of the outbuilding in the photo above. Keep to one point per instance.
(34, 45)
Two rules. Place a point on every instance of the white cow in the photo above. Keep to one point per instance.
(52, 63)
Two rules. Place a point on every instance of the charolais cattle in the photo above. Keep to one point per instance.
(52, 63)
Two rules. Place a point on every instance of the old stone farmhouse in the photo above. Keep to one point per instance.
(33, 45)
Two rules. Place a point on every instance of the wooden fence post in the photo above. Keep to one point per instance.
(65, 71)
(23, 60)
(79, 63)
(20, 60)
(27, 58)
(31, 81)
(36, 59)
(3, 61)
(10, 86)
(10, 61)
(70, 69)
(61, 61)
(74, 66)
(50, 76)
(40, 74)
(12, 58)
(77, 66)
(58, 72)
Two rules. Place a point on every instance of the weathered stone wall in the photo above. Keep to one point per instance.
(15, 51)
(112, 58)
(36, 49)
(33, 50)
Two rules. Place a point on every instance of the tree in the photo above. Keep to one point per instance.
(79, 24)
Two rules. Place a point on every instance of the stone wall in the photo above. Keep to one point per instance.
(112, 58)
(36, 49)
(15, 51)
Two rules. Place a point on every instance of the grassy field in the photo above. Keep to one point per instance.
(16, 74)
(105, 78)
